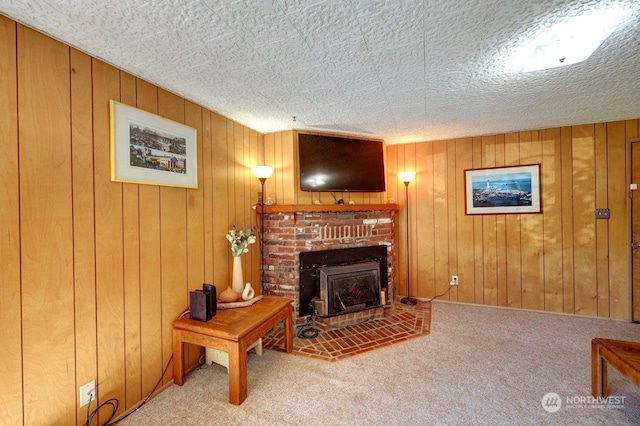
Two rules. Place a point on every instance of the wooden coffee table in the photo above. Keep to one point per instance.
(232, 331)
(624, 356)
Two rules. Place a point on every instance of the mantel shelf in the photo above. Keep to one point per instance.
(316, 208)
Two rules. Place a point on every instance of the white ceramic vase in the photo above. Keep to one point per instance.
(248, 292)
(237, 283)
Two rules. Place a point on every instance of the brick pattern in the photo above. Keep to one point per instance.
(288, 234)
(353, 318)
(398, 324)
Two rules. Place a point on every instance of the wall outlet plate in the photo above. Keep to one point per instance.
(87, 393)
(454, 280)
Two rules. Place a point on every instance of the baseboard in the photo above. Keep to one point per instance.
(455, 302)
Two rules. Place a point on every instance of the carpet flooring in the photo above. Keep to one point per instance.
(399, 324)
(478, 366)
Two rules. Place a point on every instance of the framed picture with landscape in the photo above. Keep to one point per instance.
(500, 190)
(149, 149)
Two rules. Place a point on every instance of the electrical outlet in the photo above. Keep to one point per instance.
(87, 393)
(454, 280)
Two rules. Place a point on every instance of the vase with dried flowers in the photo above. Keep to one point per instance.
(240, 240)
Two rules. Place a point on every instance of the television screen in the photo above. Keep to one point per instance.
(335, 164)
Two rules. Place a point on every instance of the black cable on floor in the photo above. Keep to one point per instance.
(308, 332)
(435, 297)
(115, 403)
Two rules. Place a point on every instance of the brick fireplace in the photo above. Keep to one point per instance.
(293, 229)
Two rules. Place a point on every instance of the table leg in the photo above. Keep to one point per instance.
(237, 373)
(603, 374)
(178, 359)
(288, 330)
(599, 386)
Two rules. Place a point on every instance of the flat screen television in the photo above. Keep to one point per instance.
(337, 164)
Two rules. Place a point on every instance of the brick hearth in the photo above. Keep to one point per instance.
(290, 230)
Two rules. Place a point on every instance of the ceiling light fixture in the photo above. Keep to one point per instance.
(574, 39)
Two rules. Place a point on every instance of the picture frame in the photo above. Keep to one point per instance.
(151, 150)
(503, 190)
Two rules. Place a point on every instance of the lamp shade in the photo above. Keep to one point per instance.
(406, 177)
(262, 172)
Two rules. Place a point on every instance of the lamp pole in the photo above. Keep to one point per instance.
(262, 173)
(262, 181)
(406, 178)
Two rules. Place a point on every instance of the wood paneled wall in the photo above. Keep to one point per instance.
(563, 260)
(93, 271)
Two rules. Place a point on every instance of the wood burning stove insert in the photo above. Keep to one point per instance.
(340, 281)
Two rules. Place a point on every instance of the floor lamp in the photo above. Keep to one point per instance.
(262, 173)
(406, 178)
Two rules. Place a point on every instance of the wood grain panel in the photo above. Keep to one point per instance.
(173, 241)
(269, 155)
(421, 199)
(207, 188)
(402, 265)
(635, 234)
(478, 237)
(109, 244)
(392, 174)
(46, 229)
(501, 233)
(618, 307)
(568, 284)
(10, 309)
(195, 221)
(392, 192)
(231, 190)
(440, 252)
(632, 128)
(277, 183)
(150, 284)
(452, 205)
(253, 187)
(251, 260)
(239, 214)
(270, 158)
(632, 135)
(298, 196)
(287, 168)
(464, 224)
(489, 236)
(513, 231)
(551, 192)
(221, 198)
(243, 198)
(83, 223)
(531, 235)
(131, 251)
(617, 197)
(584, 220)
(602, 227)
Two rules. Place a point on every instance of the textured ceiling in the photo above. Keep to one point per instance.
(400, 70)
